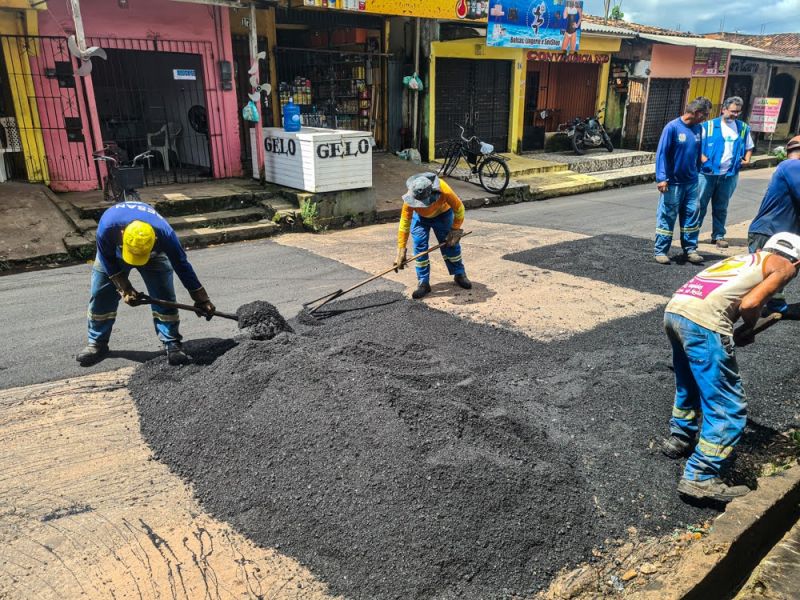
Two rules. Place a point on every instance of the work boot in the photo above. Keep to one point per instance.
(711, 489)
(721, 243)
(176, 355)
(676, 447)
(792, 312)
(423, 289)
(694, 258)
(662, 259)
(92, 354)
(463, 281)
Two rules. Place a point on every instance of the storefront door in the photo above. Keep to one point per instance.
(665, 101)
(475, 94)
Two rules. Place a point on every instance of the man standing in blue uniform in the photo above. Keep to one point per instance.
(133, 235)
(677, 164)
(727, 145)
(780, 211)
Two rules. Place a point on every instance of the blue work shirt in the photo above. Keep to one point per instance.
(109, 240)
(780, 209)
(678, 153)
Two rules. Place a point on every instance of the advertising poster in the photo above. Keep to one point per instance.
(764, 117)
(710, 62)
(541, 24)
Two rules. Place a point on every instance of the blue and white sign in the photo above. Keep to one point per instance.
(542, 24)
(184, 74)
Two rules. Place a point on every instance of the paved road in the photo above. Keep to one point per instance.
(45, 311)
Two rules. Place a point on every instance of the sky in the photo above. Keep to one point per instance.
(744, 16)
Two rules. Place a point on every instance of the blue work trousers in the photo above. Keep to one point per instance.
(420, 232)
(707, 381)
(157, 276)
(716, 190)
(679, 203)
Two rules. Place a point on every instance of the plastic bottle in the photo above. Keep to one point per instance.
(291, 116)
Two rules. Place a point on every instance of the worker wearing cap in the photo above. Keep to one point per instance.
(780, 211)
(431, 204)
(133, 235)
(699, 323)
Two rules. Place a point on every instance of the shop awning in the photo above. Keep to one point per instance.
(697, 42)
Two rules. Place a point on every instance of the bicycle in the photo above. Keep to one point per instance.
(492, 171)
(122, 180)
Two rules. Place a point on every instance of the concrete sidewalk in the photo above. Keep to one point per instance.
(32, 228)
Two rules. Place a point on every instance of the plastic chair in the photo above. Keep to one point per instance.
(9, 142)
(165, 140)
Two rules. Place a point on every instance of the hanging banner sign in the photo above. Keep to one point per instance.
(542, 56)
(710, 62)
(470, 10)
(543, 24)
(764, 116)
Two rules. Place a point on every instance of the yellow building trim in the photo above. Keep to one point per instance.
(476, 48)
(17, 52)
(710, 87)
(22, 5)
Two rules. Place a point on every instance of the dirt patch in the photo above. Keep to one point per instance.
(260, 320)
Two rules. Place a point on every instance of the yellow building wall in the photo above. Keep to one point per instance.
(476, 48)
(16, 52)
(710, 87)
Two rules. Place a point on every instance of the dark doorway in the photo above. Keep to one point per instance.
(534, 125)
(156, 101)
(475, 94)
(742, 86)
(665, 102)
(782, 86)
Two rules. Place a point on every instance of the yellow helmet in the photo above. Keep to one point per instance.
(138, 240)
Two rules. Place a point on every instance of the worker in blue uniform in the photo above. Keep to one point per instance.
(133, 235)
(779, 211)
(677, 166)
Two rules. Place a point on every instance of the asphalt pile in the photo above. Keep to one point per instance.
(260, 320)
(400, 452)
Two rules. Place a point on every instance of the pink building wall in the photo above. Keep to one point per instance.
(178, 27)
(671, 62)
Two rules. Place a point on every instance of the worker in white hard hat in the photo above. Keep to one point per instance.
(699, 322)
(133, 235)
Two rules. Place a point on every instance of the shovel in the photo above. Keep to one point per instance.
(759, 326)
(145, 299)
(339, 293)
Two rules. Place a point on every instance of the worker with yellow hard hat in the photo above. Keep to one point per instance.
(133, 235)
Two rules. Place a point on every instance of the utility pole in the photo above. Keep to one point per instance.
(414, 126)
(80, 37)
(256, 66)
(607, 8)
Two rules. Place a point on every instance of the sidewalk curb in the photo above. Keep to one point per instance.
(740, 537)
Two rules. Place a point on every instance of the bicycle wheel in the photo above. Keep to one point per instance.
(452, 157)
(494, 175)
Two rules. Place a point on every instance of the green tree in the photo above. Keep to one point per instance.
(616, 13)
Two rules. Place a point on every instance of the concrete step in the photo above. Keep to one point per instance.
(82, 247)
(218, 218)
(629, 176)
(598, 160)
(207, 236)
(521, 165)
(551, 185)
(180, 204)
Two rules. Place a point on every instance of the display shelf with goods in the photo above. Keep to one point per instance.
(332, 90)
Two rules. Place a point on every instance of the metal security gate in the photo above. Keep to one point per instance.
(156, 101)
(665, 101)
(43, 130)
(475, 94)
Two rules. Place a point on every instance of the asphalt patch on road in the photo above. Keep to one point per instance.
(616, 259)
(260, 320)
(400, 452)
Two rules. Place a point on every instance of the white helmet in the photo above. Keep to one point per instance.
(785, 243)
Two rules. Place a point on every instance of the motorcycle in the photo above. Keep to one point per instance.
(586, 133)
